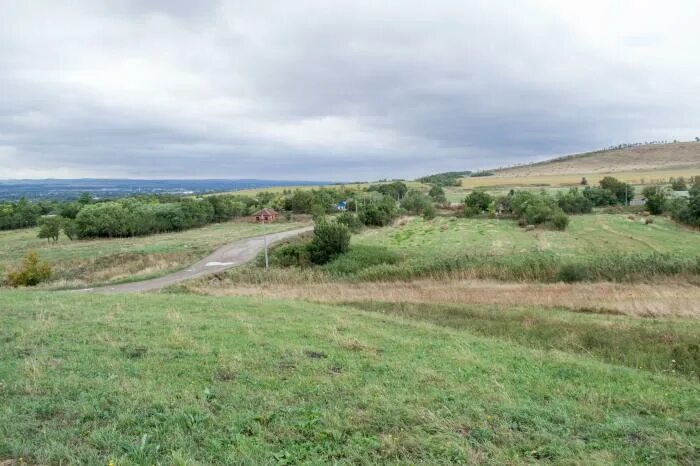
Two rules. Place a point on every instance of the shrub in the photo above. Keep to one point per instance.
(437, 193)
(330, 240)
(416, 203)
(291, 255)
(558, 221)
(572, 272)
(477, 202)
(379, 213)
(429, 212)
(350, 220)
(31, 272)
(574, 202)
(361, 257)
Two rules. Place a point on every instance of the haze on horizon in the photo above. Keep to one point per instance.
(343, 90)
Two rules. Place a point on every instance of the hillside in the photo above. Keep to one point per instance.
(641, 158)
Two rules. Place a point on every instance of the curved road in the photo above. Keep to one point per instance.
(230, 255)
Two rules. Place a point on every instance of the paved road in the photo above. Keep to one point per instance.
(225, 257)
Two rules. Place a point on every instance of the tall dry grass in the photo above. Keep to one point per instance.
(668, 298)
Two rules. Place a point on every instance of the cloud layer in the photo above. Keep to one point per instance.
(335, 90)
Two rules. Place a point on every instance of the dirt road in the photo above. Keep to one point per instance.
(225, 257)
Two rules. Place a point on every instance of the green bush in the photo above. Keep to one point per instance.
(31, 272)
(477, 202)
(359, 258)
(572, 272)
(558, 220)
(350, 220)
(290, 255)
(330, 240)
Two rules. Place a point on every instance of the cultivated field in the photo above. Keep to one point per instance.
(91, 262)
(184, 379)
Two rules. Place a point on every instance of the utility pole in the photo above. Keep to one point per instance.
(267, 260)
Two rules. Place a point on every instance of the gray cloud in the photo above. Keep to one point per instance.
(335, 90)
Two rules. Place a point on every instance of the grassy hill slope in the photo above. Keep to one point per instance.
(184, 379)
(642, 158)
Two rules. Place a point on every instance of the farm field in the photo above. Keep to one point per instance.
(185, 379)
(89, 262)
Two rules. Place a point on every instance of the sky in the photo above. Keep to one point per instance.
(335, 90)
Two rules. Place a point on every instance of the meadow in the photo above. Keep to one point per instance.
(185, 379)
(594, 248)
(90, 262)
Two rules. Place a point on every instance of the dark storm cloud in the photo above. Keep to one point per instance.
(336, 90)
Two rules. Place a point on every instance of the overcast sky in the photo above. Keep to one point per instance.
(335, 90)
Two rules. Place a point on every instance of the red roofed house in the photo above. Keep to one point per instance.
(266, 216)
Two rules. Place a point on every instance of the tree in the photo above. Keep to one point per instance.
(656, 199)
(584, 181)
(330, 240)
(50, 228)
(85, 198)
(437, 193)
(622, 191)
(477, 202)
(416, 202)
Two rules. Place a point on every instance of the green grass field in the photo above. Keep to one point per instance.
(184, 379)
(89, 262)
(586, 235)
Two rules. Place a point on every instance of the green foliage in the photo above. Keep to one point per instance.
(689, 212)
(329, 241)
(481, 173)
(477, 202)
(50, 228)
(437, 193)
(574, 202)
(20, 214)
(378, 213)
(538, 209)
(295, 254)
(558, 220)
(429, 211)
(31, 272)
(600, 197)
(396, 190)
(350, 220)
(656, 199)
(445, 179)
(69, 228)
(416, 203)
(622, 191)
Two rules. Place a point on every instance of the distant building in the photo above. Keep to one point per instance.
(342, 206)
(638, 201)
(266, 215)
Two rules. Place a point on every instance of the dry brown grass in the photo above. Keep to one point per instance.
(642, 158)
(670, 298)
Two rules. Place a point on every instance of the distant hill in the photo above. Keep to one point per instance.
(648, 157)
